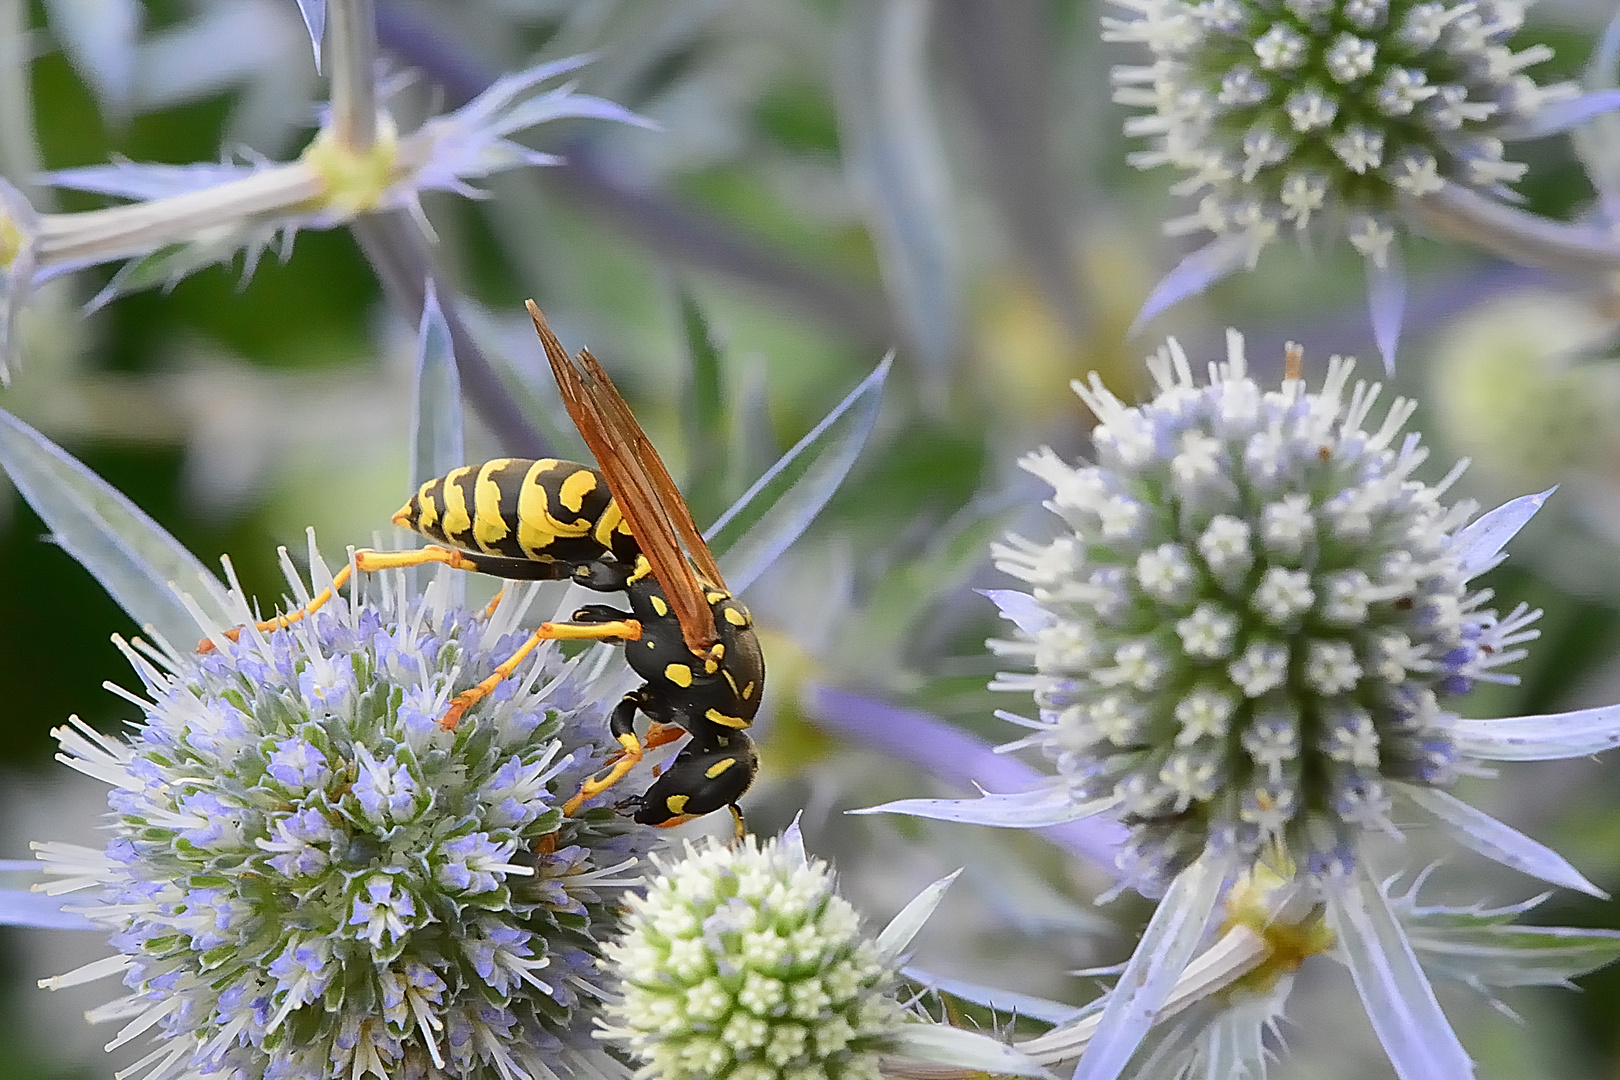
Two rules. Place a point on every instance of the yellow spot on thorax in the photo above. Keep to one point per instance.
(714, 716)
(719, 767)
(679, 674)
(659, 606)
(676, 804)
(735, 617)
(643, 569)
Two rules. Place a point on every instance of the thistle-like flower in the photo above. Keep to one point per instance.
(744, 962)
(1247, 639)
(1323, 117)
(309, 877)
(183, 218)
(1223, 1016)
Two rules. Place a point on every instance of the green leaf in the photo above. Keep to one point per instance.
(783, 502)
(130, 554)
(705, 413)
(1478, 948)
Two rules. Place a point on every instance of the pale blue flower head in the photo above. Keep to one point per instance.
(309, 877)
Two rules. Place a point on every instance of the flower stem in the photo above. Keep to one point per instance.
(351, 31)
(1516, 235)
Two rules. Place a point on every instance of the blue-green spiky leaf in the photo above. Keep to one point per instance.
(130, 554)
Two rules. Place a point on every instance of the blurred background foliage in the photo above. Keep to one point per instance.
(828, 179)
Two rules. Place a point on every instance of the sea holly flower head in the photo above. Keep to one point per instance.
(1251, 626)
(1248, 639)
(746, 961)
(1301, 113)
(309, 877)
(743, 961)
(1327, 118)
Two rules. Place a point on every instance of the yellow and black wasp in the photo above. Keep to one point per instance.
(619, 527)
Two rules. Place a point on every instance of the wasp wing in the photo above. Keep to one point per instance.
(646, 457)
(640, 484)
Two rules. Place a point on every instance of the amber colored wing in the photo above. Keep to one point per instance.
(640, 483)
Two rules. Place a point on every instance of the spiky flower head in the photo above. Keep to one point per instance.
(310, 877)
(1295, 113)
(744, 962)
(1249, 628)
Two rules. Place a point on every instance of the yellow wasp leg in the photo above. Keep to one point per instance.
(366, 561)
(657, 735)
(629, 758)
(489, 609)
(623, 630)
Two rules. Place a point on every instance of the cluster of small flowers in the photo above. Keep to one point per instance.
(1252, 619)
(746, 963)
(310, 877)
(1288, 113)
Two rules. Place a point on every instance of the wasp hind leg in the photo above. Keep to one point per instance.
(622, 725)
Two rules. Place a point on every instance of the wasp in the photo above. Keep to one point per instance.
(621, 526)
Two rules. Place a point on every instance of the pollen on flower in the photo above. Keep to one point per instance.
(309, 877)
(745, 962)
(355, 182)
(1289, 114)
(1272, 643)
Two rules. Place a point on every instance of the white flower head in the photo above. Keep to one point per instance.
(1326, 113)
(1281, 626)
(310, 877)
(744, 961)
(1289, 698)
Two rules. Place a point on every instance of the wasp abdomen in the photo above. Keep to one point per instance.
(546, 511)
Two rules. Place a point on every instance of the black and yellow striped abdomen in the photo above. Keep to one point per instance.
(544, 511)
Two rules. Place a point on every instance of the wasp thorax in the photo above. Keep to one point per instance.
(1250, 624)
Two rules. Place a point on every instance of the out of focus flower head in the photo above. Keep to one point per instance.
(1329, 118)
(1526, 393)
(1246, 638)
(182, 218)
